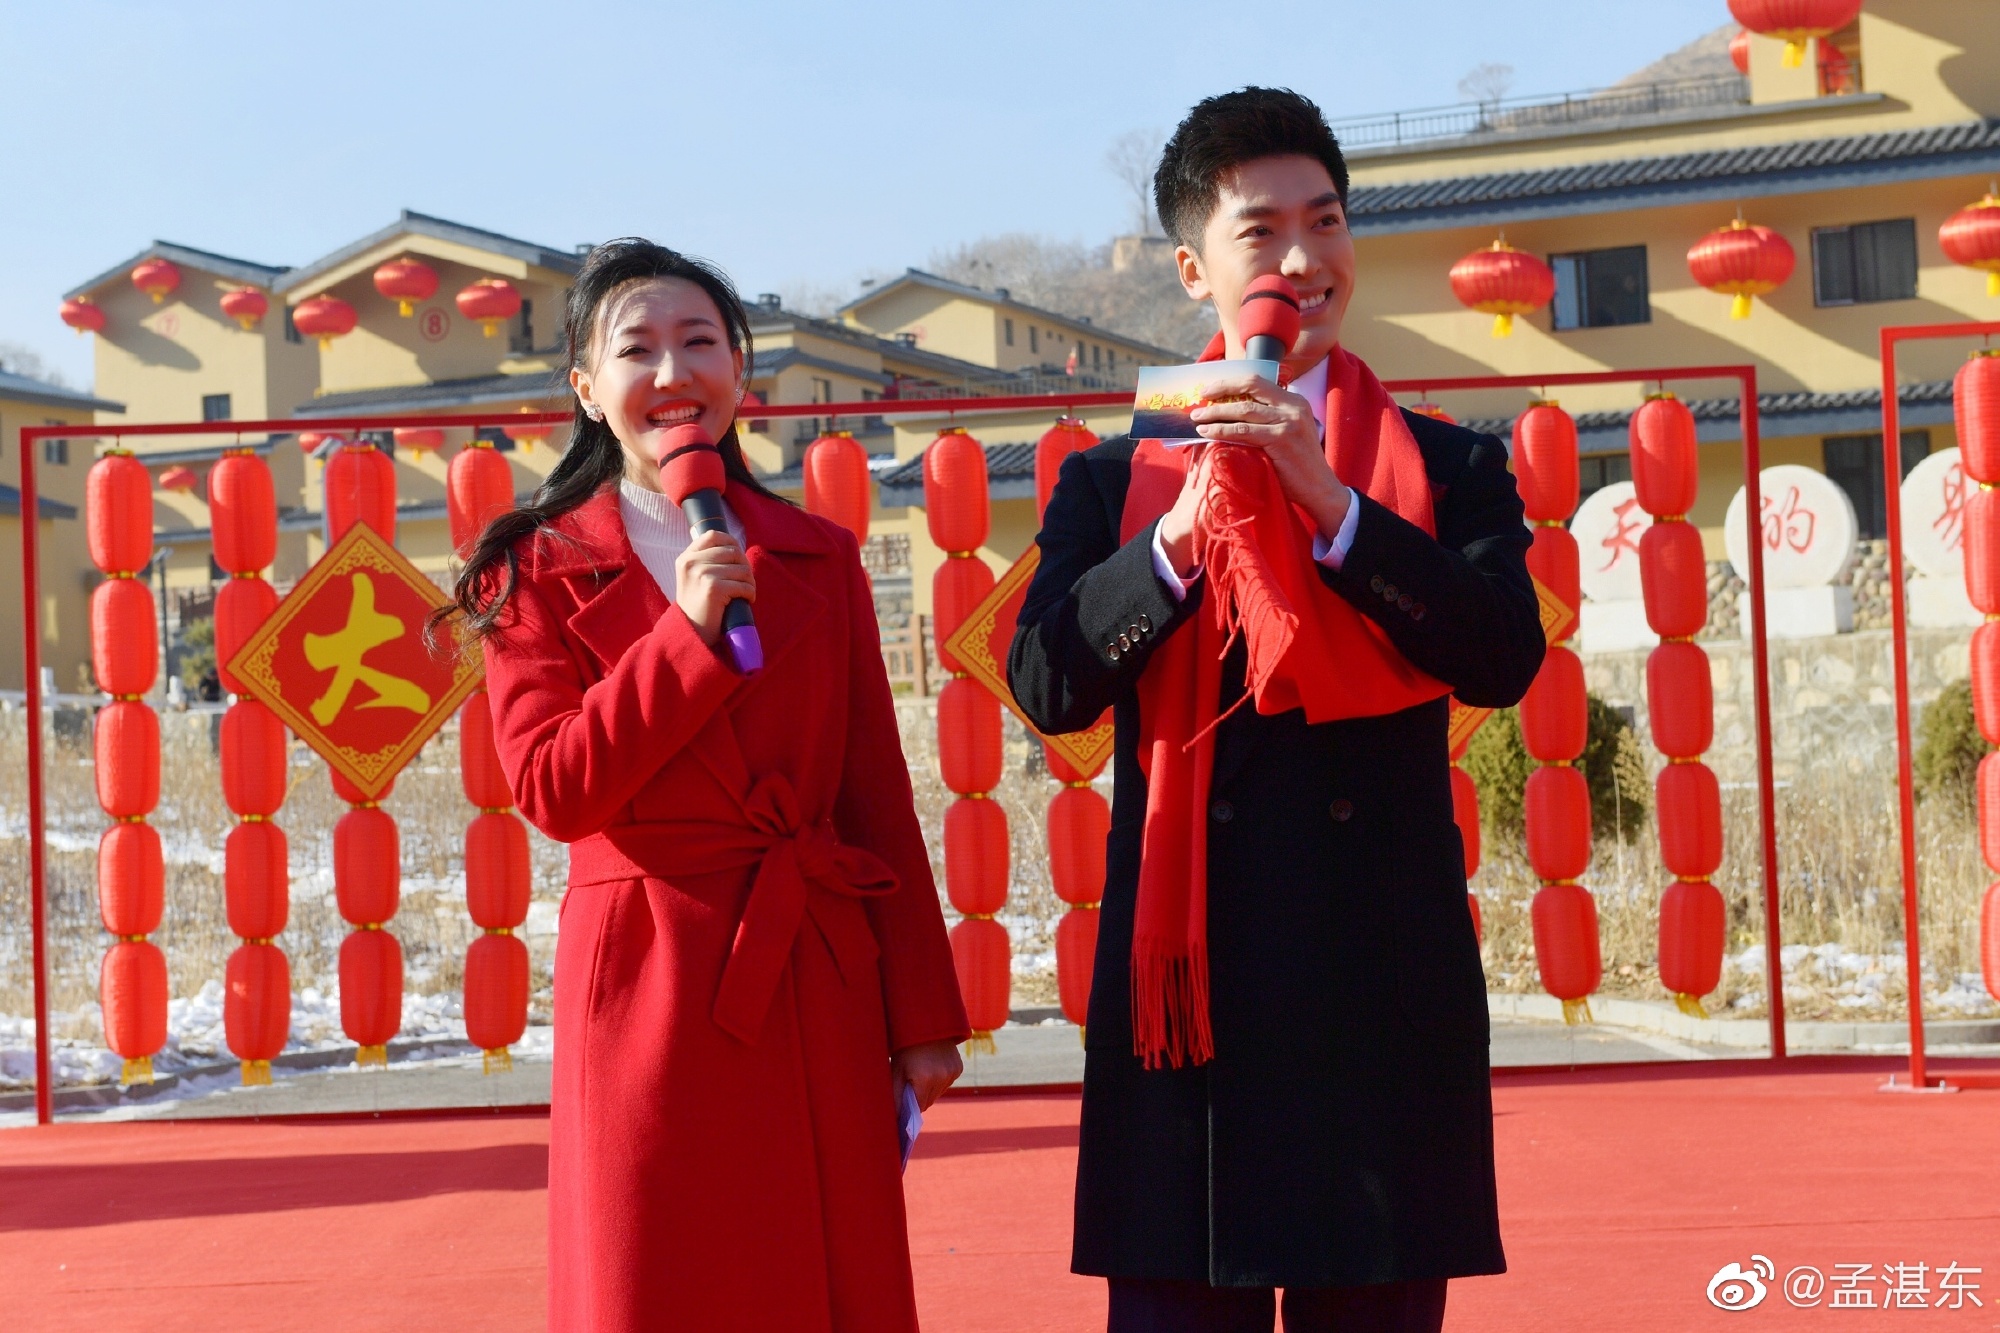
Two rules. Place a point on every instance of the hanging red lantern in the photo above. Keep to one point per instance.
(1986, 680)
(132, 993)
(179, 479)
(419, 440)
(1975, 410)
(118, 514)
(1739, 50)
(1986, 802)
(131, 879)
(325, 318)
(1566, 948)
(83, 314)
(1076, 960)
(157, 278)
(1689, 813)
(1554, 716)
(1692, 919)
(1465, 813)
(478, 761)
(243, 508)
(361, 488)
(367, 866)
(1068, 436)
(1673, 576)
(254, 755)
(1556, 565)
(968, 737)
(1982, 549)
(1502, 282)
(479, 487)
(1545, 462)
(496, 996)
(491, 301)
(1795, 22)
(1971, 237)
(257, 1007)
(1989, 940)
(496, 871)
(1079, 824)
(256, 880)
(976, 855)
(406, 281)
(1666, 460)
(958, 587)
(241, 608)
(979, 948)
(837, 483)
(1434, 412)
(1681, 700)
(1742, 261)
(956, 506)
(246, 305)
(371, 992)
(1557, 806)
(124, 647)
(126, 754)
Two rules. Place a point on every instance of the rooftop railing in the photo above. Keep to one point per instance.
(1534, 115)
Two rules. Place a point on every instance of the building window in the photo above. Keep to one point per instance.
(1869, 261)
(522, 337)
(1597, 288)
(56, 451)
(1596, 471)
(1854, 462)
(1840, 62)
(1007, 331)
(1034, 339)
(291, 329)
(1096, 357)
(215, 407)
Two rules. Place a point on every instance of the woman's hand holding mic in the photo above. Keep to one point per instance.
(710, 574)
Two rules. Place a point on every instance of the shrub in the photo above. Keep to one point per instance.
(1949, 748)
(1613, 765)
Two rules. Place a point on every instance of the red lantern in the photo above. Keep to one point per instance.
(1503, 282)
(419, 440)
(491, 301)
(1554, 716)
(243, 509)
(985, 981)
(1986, 680)
(361, 488)
(1666, 463)
(1465, 813)
(1566, 950)
(1971, 237)
(1987, 802)
(1079, 824)
(131, 879)
(1690, 819)
(1982, 550)
(478, 761)
(83, 314)
(127, 759)
(1076, 960)
(496, 871)
(960, 585)
(1545, 462)
(241, 608)
(324, 318)
(1691, 935)
(245, 305)
(955, 497)
(157, 278)
(1739, 50)
(496, 992)
(124, 646)
(371, 992)
(311, 440)
(1989, 940)
(406, 281)
(1555, 564)
(1975, 409)
(1795, 22)
(968, 737)
(118, 514)
(1742, 261)
(256, 879)
(975, 856)
(1434, 412)
(1681, 699)
(837, 484)
(132, 991)
(479, 487)
(179, 479)
(1557, 802)
(367, 866)
(353, 795)
(257, 1007)
(254, 758)
(1673, 576)
(1068, 436)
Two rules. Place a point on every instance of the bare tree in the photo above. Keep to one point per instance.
(1486, 82)
(20, 359)
(1132, 157)
(1144, 302)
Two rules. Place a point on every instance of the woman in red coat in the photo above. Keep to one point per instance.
(752, 961)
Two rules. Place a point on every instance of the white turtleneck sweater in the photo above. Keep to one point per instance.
(658, 531)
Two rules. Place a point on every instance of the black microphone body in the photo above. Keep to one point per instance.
(1263, 347)
(704, 514)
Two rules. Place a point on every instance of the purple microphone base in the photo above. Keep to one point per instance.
(746, 650)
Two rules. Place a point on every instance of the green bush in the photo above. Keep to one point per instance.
(1949, 747)
(1613, 766)
(197, 653)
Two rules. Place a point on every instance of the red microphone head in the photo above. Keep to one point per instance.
(689, 462)
(1270, 309)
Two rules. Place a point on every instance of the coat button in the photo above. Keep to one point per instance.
(1111, 651)
(1417, 611)
(1145, 625)
(1342, 810)
(1375, 584)
(1136, 633)
(1388, 592)
(1124, 644)
(1222, 812)
(1403, 602)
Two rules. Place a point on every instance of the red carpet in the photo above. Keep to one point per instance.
(1622, 1192)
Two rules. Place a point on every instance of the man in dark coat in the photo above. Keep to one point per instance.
(1338, 1144)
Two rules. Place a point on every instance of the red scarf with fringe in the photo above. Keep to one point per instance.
(1306, 648)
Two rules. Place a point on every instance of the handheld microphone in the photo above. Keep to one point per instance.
(691, 475)
(1268, 319)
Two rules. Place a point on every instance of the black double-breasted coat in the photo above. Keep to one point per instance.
(1343, 1132)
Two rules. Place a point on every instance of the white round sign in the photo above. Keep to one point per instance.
(1934, 496)
(1807, 528)
(1607, 528)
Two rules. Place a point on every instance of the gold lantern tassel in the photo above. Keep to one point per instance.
(1993, 282)
(1503, 325)
(499, 1060)
(981, 1043)
(136, 1071)
(406, 309)
(1690, 1005)
(256, 1073)
(372, 1055)
(1795, 54)
(1740, 307)
(1577, 1011)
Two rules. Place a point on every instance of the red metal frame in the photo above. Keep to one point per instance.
(1899, 631)
(1744, 375)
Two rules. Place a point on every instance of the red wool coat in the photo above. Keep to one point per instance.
(751, 929)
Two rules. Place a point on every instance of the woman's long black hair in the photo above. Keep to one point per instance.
(594, 456)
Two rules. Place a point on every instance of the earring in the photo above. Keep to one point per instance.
(593, 411)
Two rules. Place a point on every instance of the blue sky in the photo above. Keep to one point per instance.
(794, 144)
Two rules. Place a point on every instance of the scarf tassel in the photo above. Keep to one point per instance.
(1170, 1008)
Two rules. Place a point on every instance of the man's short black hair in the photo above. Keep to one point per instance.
(1223, 133)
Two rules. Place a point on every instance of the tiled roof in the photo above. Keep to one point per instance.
(225, 266)
(41, 393)
(441, 394)
(10, 505)
(1721, 173)
(1779, 414)
(422, 224)
(1010, 475)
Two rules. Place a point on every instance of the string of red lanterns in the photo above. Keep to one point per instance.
(1975, 398)
(478, 487)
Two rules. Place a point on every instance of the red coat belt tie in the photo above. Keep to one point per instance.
(797, 864)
